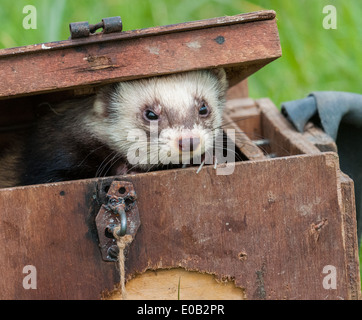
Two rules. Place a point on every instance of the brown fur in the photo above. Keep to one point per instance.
(10, 167)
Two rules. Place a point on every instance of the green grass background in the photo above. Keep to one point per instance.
(313, 58)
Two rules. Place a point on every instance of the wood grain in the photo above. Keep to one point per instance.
(241, 140)
(238, 91)
(319, 138)
(175, 28)
(52, 228)
(285, 140)
(246, 115)
(177, 284)
(256, 226)
(242, 48)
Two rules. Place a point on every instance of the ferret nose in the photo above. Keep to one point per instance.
(188, 144)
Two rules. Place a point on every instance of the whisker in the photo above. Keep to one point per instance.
(200, 167)
(81, 163)
(114, 160)
(104, 163)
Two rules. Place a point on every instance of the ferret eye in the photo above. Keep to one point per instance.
(150, 115)
(204, 110)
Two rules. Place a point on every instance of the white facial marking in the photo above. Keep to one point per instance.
(175, 100)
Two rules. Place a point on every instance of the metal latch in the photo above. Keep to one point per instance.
(84, 29)
(120, 211)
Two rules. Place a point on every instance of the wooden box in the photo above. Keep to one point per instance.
(282, 226)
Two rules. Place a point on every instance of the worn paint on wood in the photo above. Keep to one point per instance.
(285, 140)
(100, 37)
(240, 45)
(248, 227)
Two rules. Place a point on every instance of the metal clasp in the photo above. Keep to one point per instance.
(84, 29)
(120, 211)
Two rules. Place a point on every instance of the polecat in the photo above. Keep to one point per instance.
(91, 137)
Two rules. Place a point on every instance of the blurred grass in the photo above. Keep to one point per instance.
(313, 58)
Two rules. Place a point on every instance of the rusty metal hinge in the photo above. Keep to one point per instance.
(84, 29)
(120, 211)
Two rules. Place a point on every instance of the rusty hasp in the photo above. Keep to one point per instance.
(120, 211)
(84, 29)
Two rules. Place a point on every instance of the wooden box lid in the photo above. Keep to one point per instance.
(242, 44)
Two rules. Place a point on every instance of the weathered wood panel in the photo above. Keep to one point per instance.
(240, 90)
(319, 138)
(246, 115)
(272, 226)
(348, 204)
(180, 27)
(284, 139)
(51, 227)
(242, 48)
(241, 140)
(273, 238)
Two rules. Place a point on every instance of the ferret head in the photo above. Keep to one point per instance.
(161, 120)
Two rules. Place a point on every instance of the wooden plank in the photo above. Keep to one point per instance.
(175, 28)
(238, 91)
(348, 204)
(241, 140)
(52, 228)
(319, 138)
(246, 116)
(273, 239)
(242, 48)
(267, 240)
(284, 139)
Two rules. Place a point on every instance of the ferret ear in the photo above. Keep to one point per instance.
(221, 76)
(102, 102)
(220, 73)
